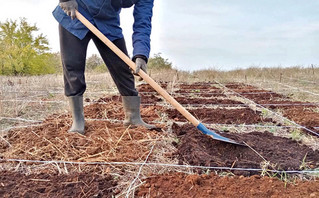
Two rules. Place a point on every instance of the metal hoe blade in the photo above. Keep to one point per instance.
(216, 136)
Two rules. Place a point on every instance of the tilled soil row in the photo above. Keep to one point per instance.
(303, 113)
(269, 151)
(183, 185)
(222, 116)
(103, 140)
(207, 101)
(15, 184)
(199, 89)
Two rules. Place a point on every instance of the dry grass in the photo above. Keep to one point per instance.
(34, 98)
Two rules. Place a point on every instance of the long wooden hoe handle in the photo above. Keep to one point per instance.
(142, 74)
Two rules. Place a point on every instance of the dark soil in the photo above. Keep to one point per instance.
(240, 86)
(266, 97)
(148, 88)
(205, 83)
(201, 93)
(200, 90)
(221, 116)
(207, 101)
(258, 98)
(197, 86)
(196, 148)
(150, 98)
(249, 91)
(303, 116)
(296, 111)
(286, 104)
(183, 185)
(15, 184)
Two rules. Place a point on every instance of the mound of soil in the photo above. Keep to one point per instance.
(103, 141)
(303, 116)
(182, 185)
(221, 116)
(115, 111)
(259, 95)
(102, 111)
(196, 148)
(15, 184)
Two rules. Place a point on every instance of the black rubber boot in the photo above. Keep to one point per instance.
(76, 104)
(131, 106)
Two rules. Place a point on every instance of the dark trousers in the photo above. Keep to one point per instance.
(73, 54)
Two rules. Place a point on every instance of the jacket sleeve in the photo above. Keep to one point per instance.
(143, 12)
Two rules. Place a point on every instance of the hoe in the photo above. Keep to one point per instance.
(151, 82)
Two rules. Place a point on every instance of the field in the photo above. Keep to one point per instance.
(274, 111)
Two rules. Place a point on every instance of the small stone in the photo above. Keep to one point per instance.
(313, 195)
(257, 176)
(117, 191)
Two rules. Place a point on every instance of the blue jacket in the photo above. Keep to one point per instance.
(104, 14)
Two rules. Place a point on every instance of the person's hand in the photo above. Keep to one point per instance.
(140, 64)
(69, 7)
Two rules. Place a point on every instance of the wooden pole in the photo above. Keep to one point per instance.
(313, 69)
(142, 74)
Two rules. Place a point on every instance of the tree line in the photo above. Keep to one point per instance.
(25, 52)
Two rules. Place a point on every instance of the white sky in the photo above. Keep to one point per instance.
(204, 34)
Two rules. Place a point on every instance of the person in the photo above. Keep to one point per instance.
(74, 39)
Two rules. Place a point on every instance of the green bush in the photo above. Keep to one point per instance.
(158, 62)
(22, 53)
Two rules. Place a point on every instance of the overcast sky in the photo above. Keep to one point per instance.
(204, 34)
